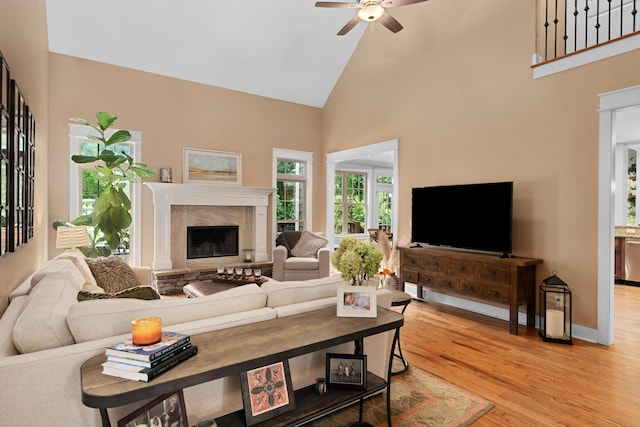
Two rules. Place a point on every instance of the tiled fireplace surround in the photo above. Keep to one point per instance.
(178, 206)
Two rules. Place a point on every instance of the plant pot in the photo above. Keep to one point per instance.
(392, 282)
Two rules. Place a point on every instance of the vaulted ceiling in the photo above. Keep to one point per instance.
(281, 49)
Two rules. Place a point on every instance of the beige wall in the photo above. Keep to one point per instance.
(455, 86)
(172, 114)
(23, 42)
(457, 89)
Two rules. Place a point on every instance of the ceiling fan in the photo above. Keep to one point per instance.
(370, 10)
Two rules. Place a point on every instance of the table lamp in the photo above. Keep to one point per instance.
(72, 237)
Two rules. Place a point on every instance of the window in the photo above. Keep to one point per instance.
(293, 190)
(84, 187)
(91, 187)
(384, 190)
(350, 208)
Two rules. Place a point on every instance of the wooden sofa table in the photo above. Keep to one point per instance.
(254, 345)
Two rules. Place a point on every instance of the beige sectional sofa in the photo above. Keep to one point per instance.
(46, 335)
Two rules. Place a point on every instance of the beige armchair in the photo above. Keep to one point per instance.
(300, 256)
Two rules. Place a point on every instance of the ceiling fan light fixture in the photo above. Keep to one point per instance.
(371, 13)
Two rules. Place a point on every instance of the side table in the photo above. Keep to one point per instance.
(400, 299)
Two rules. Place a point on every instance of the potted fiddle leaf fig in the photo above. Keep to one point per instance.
(110, 218)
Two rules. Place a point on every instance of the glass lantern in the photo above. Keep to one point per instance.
(555, 310)
(247, 255)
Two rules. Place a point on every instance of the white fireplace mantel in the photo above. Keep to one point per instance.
(166, 195)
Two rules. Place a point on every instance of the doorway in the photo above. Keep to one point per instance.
(369, 155)
(614, 107)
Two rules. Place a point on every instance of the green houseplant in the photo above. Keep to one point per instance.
(356, 260)
(110, 218)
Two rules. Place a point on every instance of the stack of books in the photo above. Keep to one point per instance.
(127, 360)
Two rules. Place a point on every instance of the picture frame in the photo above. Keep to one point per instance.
(357, 301)
(267, 392)
(346, 371)
(168, 409)
(211, 167)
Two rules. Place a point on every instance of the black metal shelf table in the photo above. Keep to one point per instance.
(400, 299)
(263, 343)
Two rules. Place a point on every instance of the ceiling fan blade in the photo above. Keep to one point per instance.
(390, 22)
(398, 3)
(335, 4)
(349, 26)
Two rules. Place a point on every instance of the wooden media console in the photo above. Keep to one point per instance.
(510, 281)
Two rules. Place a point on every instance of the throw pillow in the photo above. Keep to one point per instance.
(139, 292)
(308, 245)
(112, 274)
(288, 239)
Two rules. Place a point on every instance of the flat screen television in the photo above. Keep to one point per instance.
(470, 216)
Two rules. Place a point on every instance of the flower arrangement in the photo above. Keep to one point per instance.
(356, 260)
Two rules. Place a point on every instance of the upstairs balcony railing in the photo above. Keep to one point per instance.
(568, 26)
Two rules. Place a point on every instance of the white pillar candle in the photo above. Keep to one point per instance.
(555, 323)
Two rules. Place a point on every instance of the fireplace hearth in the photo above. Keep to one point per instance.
(212, 241)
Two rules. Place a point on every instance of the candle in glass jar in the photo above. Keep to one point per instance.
(146, 330)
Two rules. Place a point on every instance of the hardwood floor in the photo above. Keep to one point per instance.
(531, 382)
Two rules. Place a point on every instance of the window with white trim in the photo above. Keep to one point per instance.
(293, 172)
(84, 187)
(384, 192)
(350, 203)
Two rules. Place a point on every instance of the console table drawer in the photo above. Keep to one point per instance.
(464, 269)
(497, 293)
(436, 264)
(411, 276)
(439, 283)
(411, 260)
(471, 288)
(493, 273)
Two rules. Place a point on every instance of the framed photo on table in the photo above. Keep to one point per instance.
(166, 410)
(267, 392)
(212, 167)
(357, 301)
(347, 371)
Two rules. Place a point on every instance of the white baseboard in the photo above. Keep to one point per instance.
(580, 332)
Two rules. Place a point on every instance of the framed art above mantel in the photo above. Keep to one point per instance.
(212, 167)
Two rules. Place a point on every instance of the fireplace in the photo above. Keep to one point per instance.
(212, 241)
(178, 206)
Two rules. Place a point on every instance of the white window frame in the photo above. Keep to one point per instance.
(349, 169)
(77, 134)
(380, 188)
(296, 156)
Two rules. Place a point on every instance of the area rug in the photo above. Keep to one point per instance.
(417, 399)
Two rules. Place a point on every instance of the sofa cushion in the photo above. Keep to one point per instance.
(112, 274)
(56, 266)
(288, 239)
(89, 320)
(293, 292)
(308, 245)
(138, 292)
(296, 263)
(80, 263)
(7, 322)
(43, 321)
